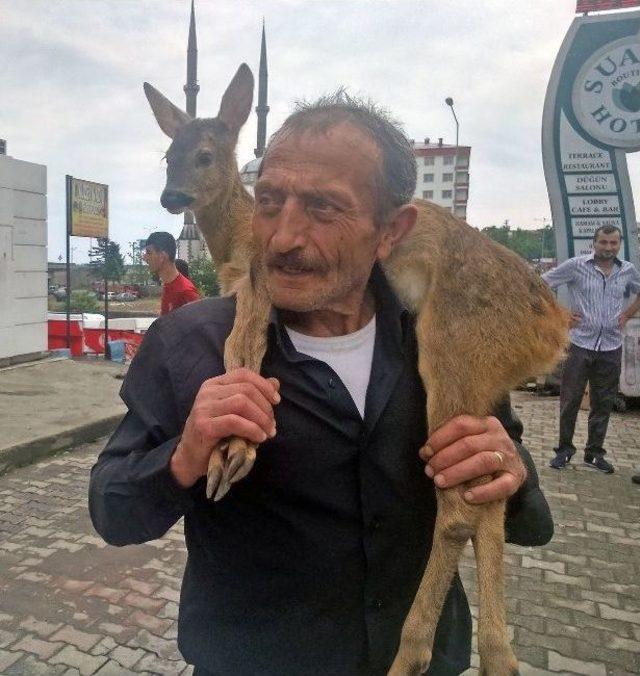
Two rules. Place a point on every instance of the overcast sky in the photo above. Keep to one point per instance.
(72, 72)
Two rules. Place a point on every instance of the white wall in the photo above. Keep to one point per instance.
(23, 257)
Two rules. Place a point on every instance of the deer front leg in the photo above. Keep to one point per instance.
(245, 347)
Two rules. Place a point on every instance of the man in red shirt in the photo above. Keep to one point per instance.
(160, 255)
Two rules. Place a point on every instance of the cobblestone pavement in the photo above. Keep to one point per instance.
(69, 604)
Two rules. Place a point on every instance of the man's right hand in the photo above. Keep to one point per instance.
(239, 403)
(575, 320)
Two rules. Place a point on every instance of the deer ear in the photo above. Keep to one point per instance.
(169, 117)
(236, 102)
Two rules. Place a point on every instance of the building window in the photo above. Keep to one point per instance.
(446, 194)
(428, 178)
(447, 178)
(428, 161)
(448, 159)
(427, 194)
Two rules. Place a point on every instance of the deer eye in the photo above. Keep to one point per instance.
(204, 159)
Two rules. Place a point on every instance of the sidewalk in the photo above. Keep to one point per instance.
(50, 405)
(73, 605)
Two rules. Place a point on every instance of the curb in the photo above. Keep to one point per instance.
(30, 452)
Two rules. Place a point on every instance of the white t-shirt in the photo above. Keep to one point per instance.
(349, 356)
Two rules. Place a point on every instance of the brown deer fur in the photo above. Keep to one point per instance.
(484, 322)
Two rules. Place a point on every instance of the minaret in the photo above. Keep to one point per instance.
(190, 234)
(192, 87)
(262, 108)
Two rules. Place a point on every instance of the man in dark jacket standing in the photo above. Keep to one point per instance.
(309, 564)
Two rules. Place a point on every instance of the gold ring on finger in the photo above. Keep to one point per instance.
(499, 457)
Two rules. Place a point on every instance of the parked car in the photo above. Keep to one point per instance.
(127, 296)
(111, 295)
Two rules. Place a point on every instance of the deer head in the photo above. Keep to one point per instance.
(201, 158)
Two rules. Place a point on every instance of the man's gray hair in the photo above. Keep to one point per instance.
(396, 181)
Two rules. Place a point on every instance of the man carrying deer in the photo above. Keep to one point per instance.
(310, 564)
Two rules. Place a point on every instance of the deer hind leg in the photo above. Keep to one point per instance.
(245, 347)
(496, 656)
(455, 524)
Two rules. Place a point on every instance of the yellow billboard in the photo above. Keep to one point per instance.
(89, 210)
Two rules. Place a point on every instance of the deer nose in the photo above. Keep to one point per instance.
(175, 199)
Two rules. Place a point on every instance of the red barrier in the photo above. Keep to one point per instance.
(58, 334)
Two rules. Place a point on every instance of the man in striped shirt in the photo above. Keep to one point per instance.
(598, 287)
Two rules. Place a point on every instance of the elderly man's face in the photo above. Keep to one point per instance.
(314, 218)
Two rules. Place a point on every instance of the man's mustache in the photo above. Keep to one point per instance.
(294, 260)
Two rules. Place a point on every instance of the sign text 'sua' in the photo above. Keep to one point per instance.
(591, 120)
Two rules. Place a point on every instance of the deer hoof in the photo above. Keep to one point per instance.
(228, 468)
(215, 469)
(408, 666)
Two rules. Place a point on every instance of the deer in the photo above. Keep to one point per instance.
(480, 333)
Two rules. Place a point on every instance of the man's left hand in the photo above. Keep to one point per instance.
(467, 448)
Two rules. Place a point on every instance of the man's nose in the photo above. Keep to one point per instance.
(291, 227)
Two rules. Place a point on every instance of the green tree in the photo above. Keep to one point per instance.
(106, 260)
(530, 244)
(203, 274)
(83, 301)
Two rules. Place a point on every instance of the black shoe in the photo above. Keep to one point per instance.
(562, 459)
(636, 478)
(599, 463)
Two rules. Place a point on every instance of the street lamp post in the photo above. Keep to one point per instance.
(449, 102)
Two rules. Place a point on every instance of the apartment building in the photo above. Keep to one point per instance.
(443, 175)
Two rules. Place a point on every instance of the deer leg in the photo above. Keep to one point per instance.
(454, 526)
(245, 347)
(496, 656)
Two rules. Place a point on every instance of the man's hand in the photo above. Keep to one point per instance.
(239, 403)
(575, 320)
(466, 448)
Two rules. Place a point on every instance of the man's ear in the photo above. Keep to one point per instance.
(396, 229)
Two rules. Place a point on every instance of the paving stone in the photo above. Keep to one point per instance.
(107, 593)
(557, 566)
(168, 593)
(31, 666)
(164, 648)
(31, 644)
(154, 624)
(112, 668)
(7, 659)
(155, 664)
(562, 644)
(143, 602)
(80, 639)
(139, 586)
(607, 612)
(559, 662)
(104, 647)
(39, 627)
(126, 656)
(86, 664)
